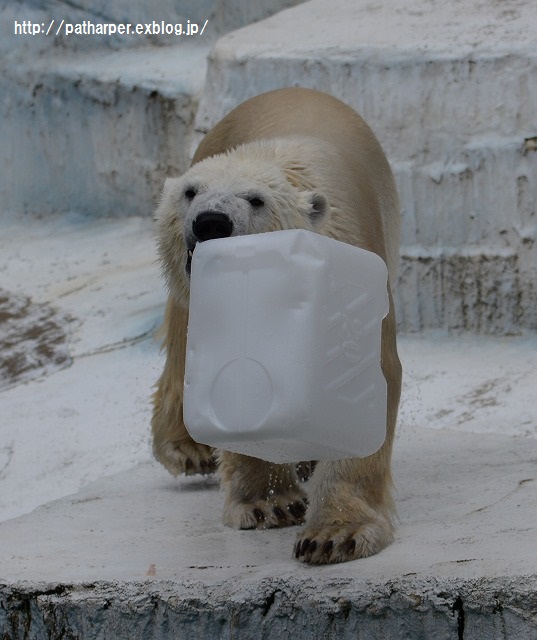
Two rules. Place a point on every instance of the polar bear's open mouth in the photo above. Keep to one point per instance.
(190, 254)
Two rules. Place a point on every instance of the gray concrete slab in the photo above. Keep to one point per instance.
(465, 507)
(143, 551)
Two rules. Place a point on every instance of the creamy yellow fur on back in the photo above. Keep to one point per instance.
(292, 158)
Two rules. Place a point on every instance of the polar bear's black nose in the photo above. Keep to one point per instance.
(210, 225)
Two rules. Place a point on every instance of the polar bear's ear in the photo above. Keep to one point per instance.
(319, 207)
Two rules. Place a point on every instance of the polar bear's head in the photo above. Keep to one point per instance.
(247, 190)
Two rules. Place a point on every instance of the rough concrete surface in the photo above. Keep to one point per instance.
(111, 126)
(98, 121)
(141, 555)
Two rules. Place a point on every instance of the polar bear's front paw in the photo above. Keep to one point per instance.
(278, 511)
(189, 458)
(342, 542)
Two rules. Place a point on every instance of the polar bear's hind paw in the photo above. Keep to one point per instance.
(276, 512)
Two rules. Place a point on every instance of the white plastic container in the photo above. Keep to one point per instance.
(283, 349)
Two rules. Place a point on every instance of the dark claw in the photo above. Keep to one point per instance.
(297, 509)
(312, 547)
(297, 549)
(327, 547)
(304, 547)
(189, 464)
(351, 546)
(279, 513)
(259, 515)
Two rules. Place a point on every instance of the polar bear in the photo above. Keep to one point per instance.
(290, 158)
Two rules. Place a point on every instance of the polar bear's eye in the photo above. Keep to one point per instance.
(256, 202)
(190, 194)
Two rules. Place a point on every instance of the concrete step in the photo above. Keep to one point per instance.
(139, 554)
(450, 94)
(94, 123)
(97, 133)
(61, 24)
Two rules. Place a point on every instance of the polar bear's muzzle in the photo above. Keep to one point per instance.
(208, 225)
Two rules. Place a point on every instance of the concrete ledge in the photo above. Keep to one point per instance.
(276, 608)
(94, 124)
(97, 134)
(142, 555)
